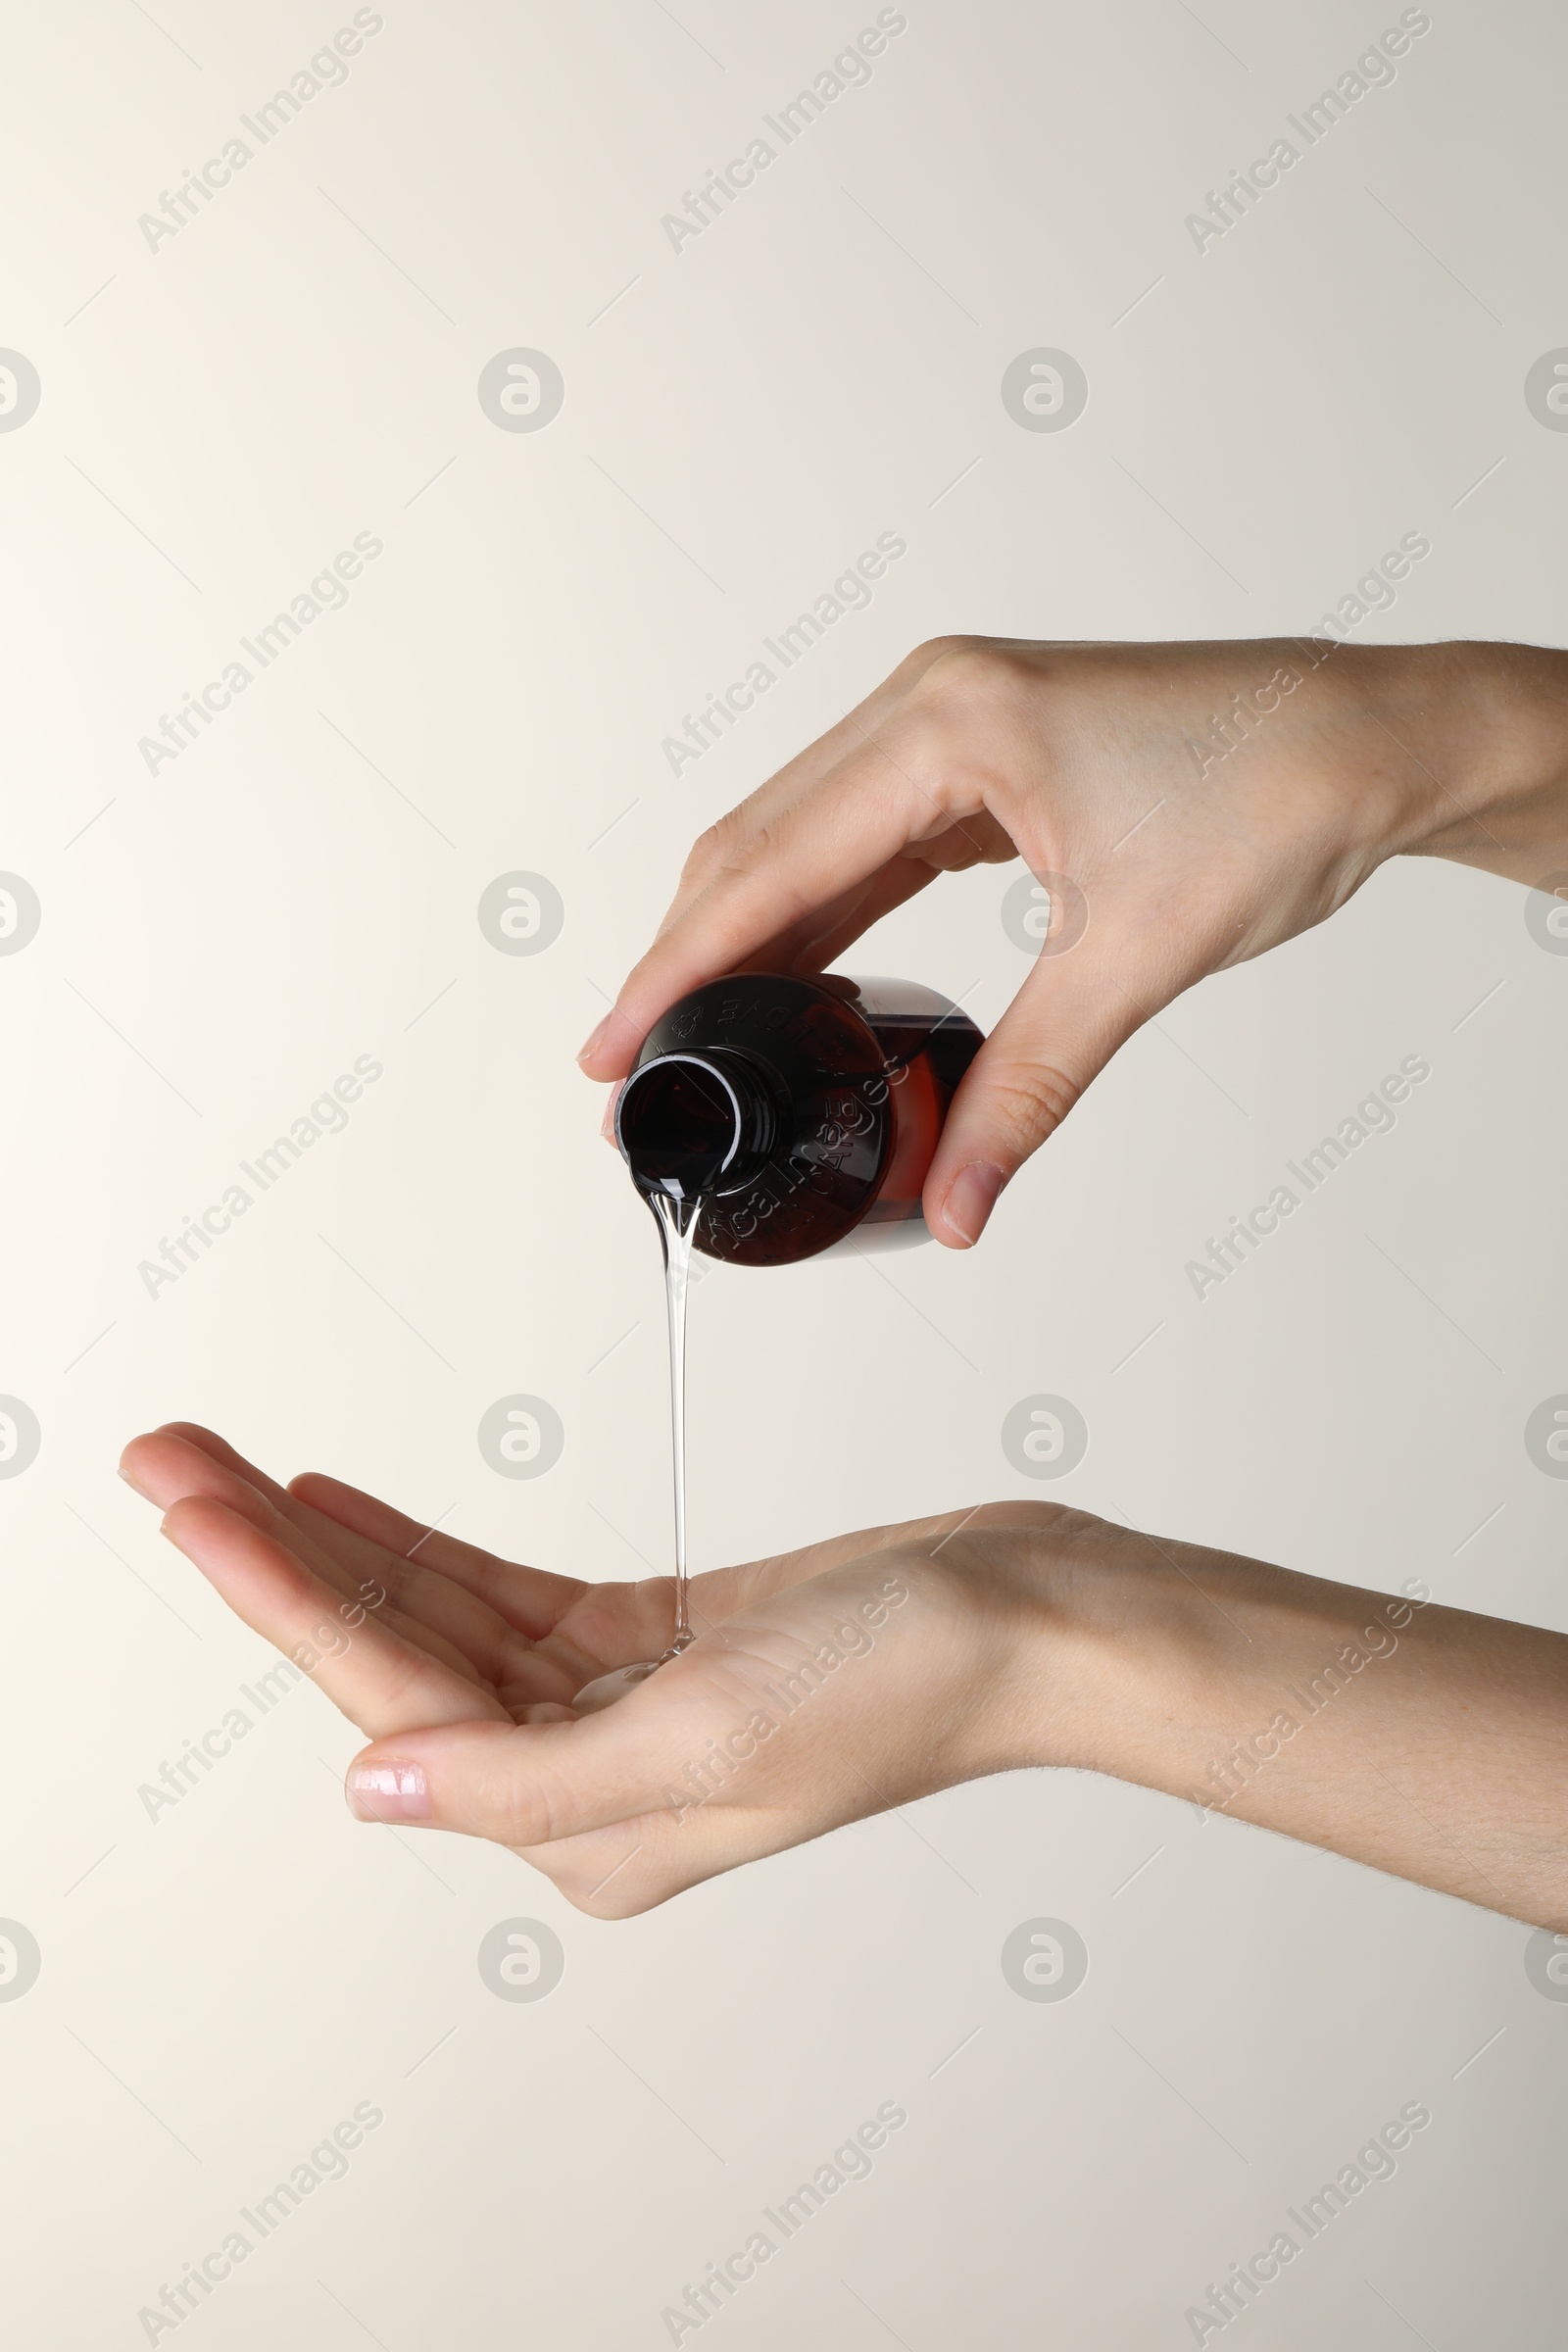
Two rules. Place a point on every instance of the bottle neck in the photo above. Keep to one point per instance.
(696, 1124)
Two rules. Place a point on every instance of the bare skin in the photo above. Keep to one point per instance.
(1079, 758)
(829, 1683)
(1427, 1741)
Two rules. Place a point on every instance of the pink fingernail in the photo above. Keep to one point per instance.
(595, 1039)
(606, 1125)
(971, 1197)
(388, 1792)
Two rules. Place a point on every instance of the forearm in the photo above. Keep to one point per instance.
(1427, 1741)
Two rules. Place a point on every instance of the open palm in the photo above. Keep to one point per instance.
(824, 1684)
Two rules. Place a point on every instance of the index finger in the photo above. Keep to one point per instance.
(381, 1682)
(808, 766)
(751, 884)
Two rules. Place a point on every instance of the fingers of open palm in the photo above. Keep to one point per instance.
(512, 1615)
(218, 1449)
(383, 1681)
(182, 1457)
(447, 1621)
(538, 1638)
(867, 812)
(529, 1598)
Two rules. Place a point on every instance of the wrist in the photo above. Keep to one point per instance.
(1301, 1705)
(1497, 746)
(1403, 739)
(1145, 1659)
(1456, 751)
(1112, 1652)
(1109, 1661)
(1188, 1670)
(1460, 751)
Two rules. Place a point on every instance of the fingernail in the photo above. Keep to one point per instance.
(388, 1792)
(595, 1039)
(971, 1197)
(606, 1125)
(132, 1483)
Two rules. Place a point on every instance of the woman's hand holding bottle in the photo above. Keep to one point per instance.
(1208, 801)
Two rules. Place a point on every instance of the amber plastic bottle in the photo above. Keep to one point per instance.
(798, 1112)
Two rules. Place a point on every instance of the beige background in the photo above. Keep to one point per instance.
(219, 418)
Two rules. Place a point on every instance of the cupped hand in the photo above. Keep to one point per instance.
(1207, 800)
(824, 1684)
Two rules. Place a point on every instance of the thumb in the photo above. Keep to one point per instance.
(1060, 1031)
(553, 1777)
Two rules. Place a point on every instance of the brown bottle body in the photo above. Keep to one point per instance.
(800, 1112)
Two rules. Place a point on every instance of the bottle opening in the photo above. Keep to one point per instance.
(687, 1124)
